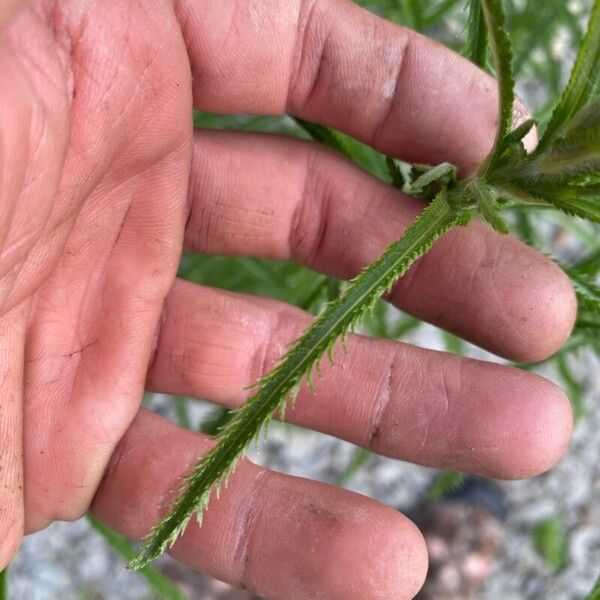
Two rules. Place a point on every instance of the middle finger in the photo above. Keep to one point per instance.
(272, 197)
(428, 407)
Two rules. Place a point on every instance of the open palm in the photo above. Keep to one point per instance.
(102, 183)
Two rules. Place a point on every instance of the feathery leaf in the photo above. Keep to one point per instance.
(583, 85)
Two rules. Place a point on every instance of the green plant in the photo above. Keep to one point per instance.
(3, 584)
(446, 483)
(550, 540)
(563, 172)
(595, 593)
(158, 582)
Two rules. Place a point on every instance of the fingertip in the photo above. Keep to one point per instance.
(552, 424)
(319, 541)
(528, 306)
(407, 571)
(539, 435)
(548, 314)
(381, 559)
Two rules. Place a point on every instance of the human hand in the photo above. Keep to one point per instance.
(102, 183)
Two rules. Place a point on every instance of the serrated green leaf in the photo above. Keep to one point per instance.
(517, 134)
(275, 389)
(586, 118)
(495, 18)
(439, 12)
(580, 202)
(571, 384)
(588, 266)
(446, 483)
(551, 542)
(588, 322)
(576, 152)
(477, 41)
(583, 85)
(595, 593)
(588, 292)
(577, 197)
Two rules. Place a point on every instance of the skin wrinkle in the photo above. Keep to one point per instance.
(320, 236)
(307, 224)
(118, 458)
(71, 360)
(64, 44)
(6, 290)
(246, 530)
(306, 14)
(282, 330)
(66, 218)
(263, 355)
(188, 363)
(321, 62)
(12, 344)
(383, 401)
(91, 284)
(388, 109)
(450, 372)
(483, 278)
(21, 179)
(157, 338)
(29, 62)
(150, 64)
(28, 178)
(201, 214)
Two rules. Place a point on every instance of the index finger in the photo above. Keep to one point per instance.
(332, 62)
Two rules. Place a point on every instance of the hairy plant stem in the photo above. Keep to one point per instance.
(282, 383)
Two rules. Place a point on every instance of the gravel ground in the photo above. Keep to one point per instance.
(70, 561)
